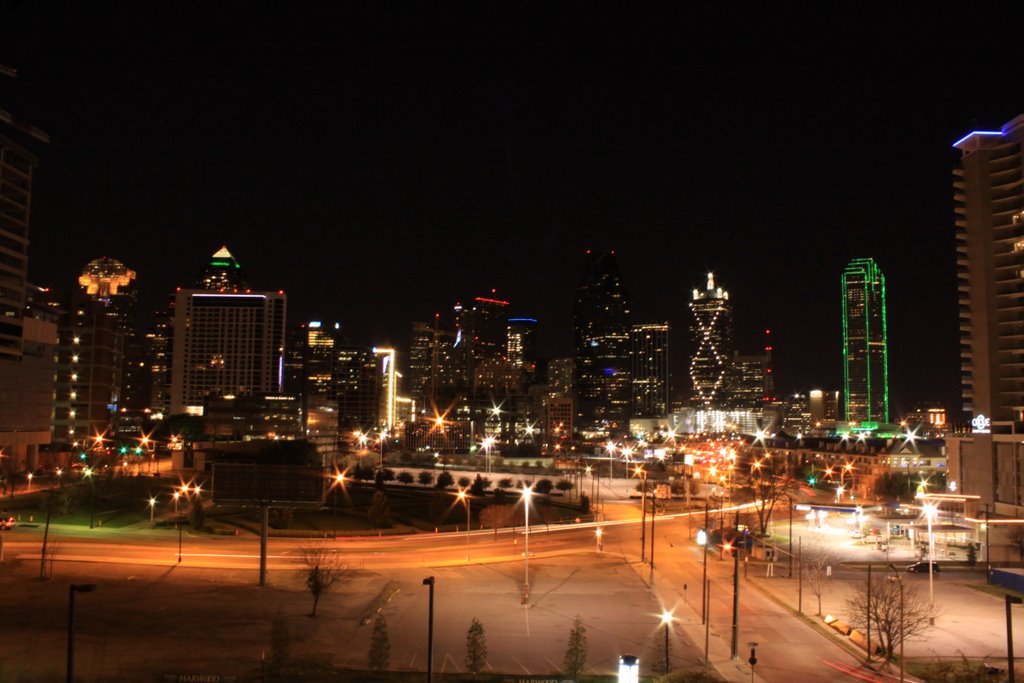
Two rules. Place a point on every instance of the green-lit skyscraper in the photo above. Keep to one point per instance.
(865, 346)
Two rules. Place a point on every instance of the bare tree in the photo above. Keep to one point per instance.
(817, 562)
(323, 568)
(894, 617)
(769, 481)
(495, 516)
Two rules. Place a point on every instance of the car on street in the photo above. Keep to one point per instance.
(921, 567)
(7, 522)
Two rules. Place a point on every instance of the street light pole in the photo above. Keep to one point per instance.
(643, 513)
(527, 492)
(72, 589)
(1011, 674)
(704, 580)
(465, 499)
(736, 594)
(429, 581)
(666, 619)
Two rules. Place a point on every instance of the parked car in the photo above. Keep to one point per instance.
(921, 567)
(7, 522)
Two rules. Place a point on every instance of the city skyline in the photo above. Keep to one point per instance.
(343, 170)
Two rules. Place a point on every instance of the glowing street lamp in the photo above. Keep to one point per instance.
(29, 477)
(177, 495)
(666, 621)
(527, 493)
(598, 533)
(152, 507)
(488, 444)
(466, 501)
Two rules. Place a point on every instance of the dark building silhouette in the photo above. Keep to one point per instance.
(601, 330)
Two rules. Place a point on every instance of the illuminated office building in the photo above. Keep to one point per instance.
(989, 205)
(522, 347)
(226, 342)
(865, 346)
(712, 340)
(650, 372)
(601, 335)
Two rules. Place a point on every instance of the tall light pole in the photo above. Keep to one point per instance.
(429, 581)
(92, 498)
(736, 594)
(666, 622)
(72, 589)
(642, 473)
(29, 477)
(152, 507)
(488, 443)
(1010, 601)
(527, 492)
(702, 540)
(465, 501)
(930, 511)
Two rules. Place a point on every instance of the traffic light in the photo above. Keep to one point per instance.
(811, 480)
(81, 456)
(123, 450)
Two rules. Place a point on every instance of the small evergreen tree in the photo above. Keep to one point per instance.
(380, 645)
(972, 555)
(379, 512)
(476, 647)
(464, 482)
(425, 478)
(543, 486)
(479, 486)
(406, 477)
(576, 652)
(444, 480)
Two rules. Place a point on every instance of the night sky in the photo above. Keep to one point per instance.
(379, 167)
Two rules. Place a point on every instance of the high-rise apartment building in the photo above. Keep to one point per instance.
(158, 345)
(522, 347)
(227, 341)
(27, 333)
(94, 335)
(601, 330)
(989, 205)
(712, 339)
(865, 345)
(649, 374)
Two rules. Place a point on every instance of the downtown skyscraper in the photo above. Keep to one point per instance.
(601, 331)
(865, 344)
(713, 346)
(650, 370)
(989, 205)
(227, 339)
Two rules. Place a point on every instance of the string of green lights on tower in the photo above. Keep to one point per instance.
(865, 343)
